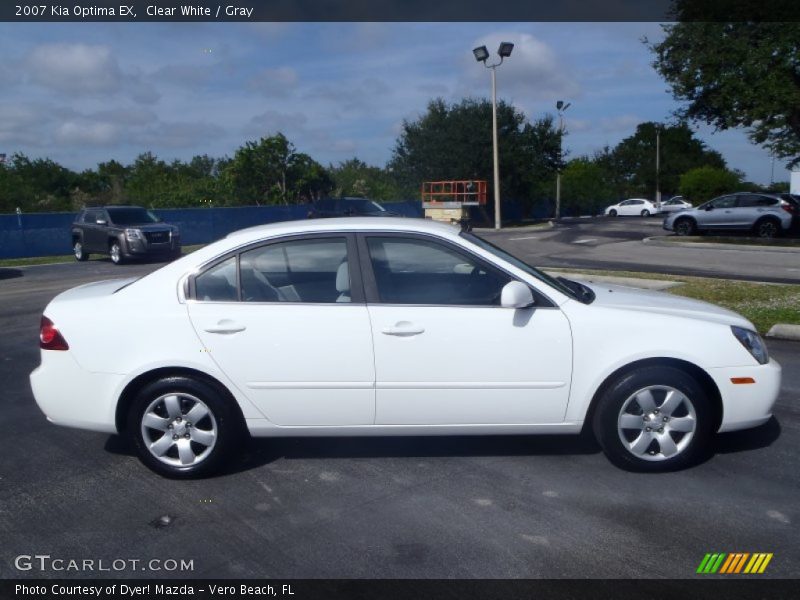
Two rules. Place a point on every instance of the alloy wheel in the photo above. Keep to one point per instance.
(179, 429)
(657, 423)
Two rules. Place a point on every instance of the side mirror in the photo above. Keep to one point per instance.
(102, 222)
(710, 207)
(516, 294)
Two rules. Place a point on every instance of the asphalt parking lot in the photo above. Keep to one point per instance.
(500, 507)
(607, 243)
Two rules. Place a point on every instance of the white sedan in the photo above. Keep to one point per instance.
(365, 326)
(675, 204)
(635, 207)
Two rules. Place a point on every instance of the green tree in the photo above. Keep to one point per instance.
(703, 183)
(454, 141)
(354, 177)
(736, 74)
(585, 188)
(634, 159)
(271, 171)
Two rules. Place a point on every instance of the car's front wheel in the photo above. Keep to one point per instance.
(115, 252)
(80, 254)
(685, 227)
(612, 213)
(654, 419)
(183, 427)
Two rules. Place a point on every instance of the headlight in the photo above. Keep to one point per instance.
(133, 234)
(753, 342)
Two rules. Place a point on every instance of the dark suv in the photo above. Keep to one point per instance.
(123, 232)
(348, 207)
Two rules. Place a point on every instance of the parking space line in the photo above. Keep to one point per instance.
(585, 241)
(527, 237)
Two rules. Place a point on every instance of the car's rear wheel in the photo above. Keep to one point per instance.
(612, 213)
(645, 213)
(183, 427)
(115, 252)
(78, 251)
(767, 228)
(654, 419)
(685, 227)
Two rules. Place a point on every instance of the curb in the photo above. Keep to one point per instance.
(657, 241)
(784, 331)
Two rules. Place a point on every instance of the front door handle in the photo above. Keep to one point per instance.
(226, 326)
(404, 329)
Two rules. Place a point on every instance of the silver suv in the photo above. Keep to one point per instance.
(766, 215)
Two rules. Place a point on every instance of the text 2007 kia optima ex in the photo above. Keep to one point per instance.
(357, 327)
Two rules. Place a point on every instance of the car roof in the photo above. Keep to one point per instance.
(344, 224)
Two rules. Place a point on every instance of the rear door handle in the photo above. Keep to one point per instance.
(226, 326)
(403, 329)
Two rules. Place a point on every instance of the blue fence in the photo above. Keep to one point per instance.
(48, 234)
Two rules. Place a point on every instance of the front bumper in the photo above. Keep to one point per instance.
(143, 247)
(747, 405)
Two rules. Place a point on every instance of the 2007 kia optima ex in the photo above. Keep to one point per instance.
(399, 327)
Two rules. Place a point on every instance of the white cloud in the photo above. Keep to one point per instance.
(91, 133)
(532, 72)
(75, 68)
(274, 82)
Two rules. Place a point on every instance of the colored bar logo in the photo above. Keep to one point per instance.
(736, 562)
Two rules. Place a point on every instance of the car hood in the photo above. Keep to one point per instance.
(627, 298)
(150, 226)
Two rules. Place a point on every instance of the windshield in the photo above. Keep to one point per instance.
(574, 290)
(364, 206)
(132, 216)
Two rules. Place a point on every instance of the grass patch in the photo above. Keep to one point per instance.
(765, 304)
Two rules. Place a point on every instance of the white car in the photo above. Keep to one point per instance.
(675, 204)
(362, 326)
(635, 207)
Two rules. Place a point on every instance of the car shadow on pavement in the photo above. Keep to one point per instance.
(10, 273)
(262, 451)
(748, 439)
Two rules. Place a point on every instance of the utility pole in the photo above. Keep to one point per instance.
(658, 167)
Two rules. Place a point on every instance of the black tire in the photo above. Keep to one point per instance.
(645, 213)
(78, 251)
(612, 213)
(222, 419)
(767, 228)
(685, 226)
(620, 398)
(115, 252)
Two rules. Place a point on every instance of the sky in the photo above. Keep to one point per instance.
(84, 93)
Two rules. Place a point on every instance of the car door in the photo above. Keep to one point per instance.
(446, 353)
(286, 322)
(94, 233)
(719, 214)
(625, 208)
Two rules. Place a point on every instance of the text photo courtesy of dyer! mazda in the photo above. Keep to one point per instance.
(340, 327)
(123, 233)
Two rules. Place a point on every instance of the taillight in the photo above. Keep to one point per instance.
(50, 338)
(790, 208)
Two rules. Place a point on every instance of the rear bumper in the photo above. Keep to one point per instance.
(747, 405)
(71, 396)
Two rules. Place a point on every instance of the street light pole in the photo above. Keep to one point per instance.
(481, 55)
(495, 157)
(560, 107)
(658, 167)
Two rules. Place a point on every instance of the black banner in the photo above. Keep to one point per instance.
(396, 10)
(407, 589)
